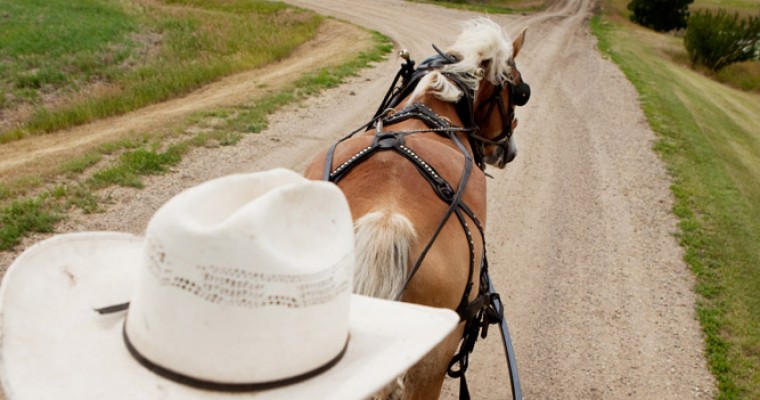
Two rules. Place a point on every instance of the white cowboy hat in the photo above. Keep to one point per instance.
(239, 289)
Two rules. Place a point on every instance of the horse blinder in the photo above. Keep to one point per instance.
(520, 94)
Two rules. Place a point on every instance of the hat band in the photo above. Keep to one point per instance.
(226, 387)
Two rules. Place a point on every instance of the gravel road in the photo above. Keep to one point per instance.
(581, 239)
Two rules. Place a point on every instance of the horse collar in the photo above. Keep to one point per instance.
(421, 112)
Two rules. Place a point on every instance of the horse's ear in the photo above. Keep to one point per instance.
(518, 42)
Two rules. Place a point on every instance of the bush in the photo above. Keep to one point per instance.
(720, 39)
(660, 15)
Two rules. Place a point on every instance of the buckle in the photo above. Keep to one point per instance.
(446, 191)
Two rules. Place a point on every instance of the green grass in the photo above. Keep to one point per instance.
(151, 153)
(80, 164)
(41, 213)
(744, 75)
(40, 47)
(709, 136)
(491, 6)
(80, 196)
(5, 192)
(122, 55)
(134, 164)
(24, 216)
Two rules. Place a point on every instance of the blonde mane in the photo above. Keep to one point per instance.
(481, 40)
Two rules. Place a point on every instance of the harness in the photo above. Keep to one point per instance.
(486, 308)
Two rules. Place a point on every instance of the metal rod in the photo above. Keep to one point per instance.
(507, 342)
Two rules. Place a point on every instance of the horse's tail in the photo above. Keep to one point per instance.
(383, 247)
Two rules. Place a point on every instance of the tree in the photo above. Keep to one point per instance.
(717, 40)
(660, 15)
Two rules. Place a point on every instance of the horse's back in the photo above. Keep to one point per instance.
(389, 196)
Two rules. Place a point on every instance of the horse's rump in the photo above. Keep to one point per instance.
(383, 246)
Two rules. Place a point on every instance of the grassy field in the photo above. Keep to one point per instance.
(122, 55)
(32, 204)
(743, 7)
(40, 49)
(709, 135)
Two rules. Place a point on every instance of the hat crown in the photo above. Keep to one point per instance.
(247, 279)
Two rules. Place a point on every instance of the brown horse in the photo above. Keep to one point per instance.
(412, 244)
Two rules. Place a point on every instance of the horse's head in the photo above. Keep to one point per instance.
(495, 112)
(485, 54)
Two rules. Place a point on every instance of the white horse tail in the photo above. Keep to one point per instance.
(383, 247)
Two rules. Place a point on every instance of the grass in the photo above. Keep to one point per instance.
(709, 136)
(744, 75)
(126, 162)
(27, 215)
(491, 6)
(136, 163)
(39, 47)
(80, 164)
(122, 55)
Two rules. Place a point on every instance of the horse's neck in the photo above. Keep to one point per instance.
(444, 109)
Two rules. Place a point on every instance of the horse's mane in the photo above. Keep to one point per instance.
(481, 39)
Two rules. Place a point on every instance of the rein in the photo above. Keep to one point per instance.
(486, 308)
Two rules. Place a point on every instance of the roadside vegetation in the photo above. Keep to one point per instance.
(717, 40)
(742, 75)
(660, 15)
(123, 55)
(491, 6)
(709, 136)
(34, 205)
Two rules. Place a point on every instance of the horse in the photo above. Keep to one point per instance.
(420, 245)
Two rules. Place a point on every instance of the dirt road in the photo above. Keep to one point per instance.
(581, 243)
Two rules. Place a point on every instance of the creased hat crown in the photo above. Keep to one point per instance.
(246, 279)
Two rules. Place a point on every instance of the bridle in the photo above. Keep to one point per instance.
(486, 308)
(519, 94)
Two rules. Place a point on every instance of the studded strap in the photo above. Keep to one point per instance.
(338, 173)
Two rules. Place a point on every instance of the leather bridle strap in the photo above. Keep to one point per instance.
(506, 115)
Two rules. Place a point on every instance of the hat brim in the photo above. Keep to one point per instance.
(55, 346)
